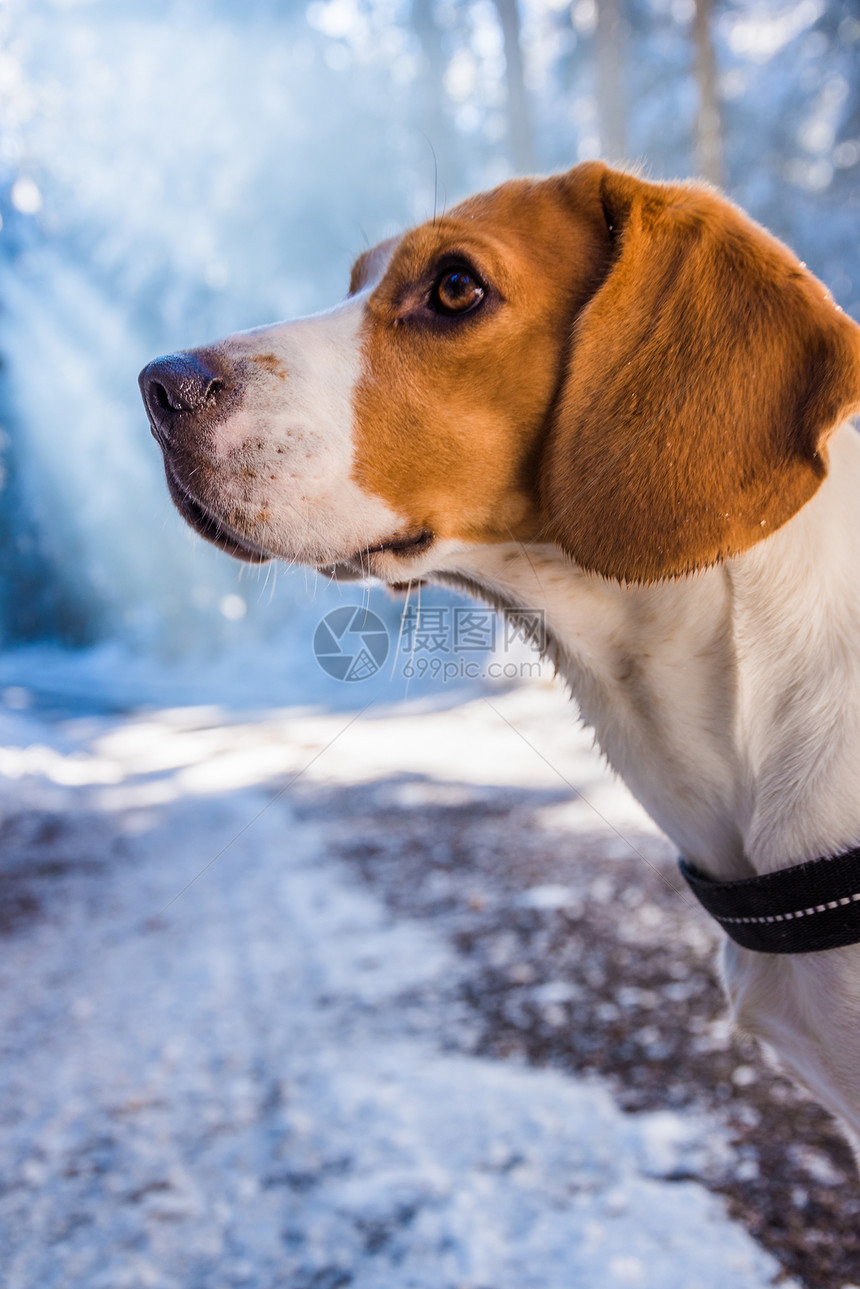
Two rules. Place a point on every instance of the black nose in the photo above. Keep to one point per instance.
(176, 386)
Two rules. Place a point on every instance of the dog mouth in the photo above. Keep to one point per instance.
(213, 530)
(363, 563)
(404, 547)
(357, 565)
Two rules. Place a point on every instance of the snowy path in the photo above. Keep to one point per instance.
(249, 1089)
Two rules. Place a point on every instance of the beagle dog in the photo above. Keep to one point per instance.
(624, 403)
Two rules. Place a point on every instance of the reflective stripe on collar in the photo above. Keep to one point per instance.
(803, 909)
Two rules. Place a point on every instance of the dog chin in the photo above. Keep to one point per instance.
(344, 572)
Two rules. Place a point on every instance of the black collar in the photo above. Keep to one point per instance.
(802, 909)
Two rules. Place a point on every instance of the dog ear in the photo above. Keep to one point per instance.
(703, 378)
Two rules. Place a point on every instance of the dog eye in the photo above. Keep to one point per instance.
(456, 291)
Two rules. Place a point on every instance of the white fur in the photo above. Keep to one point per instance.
(292, 438)
(729, 702)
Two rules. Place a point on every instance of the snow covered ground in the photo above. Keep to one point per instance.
(225, 1062)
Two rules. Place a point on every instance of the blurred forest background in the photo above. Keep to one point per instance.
(171, 170)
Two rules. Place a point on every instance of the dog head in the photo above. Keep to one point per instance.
(634, 371)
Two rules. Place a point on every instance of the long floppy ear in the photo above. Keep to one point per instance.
(704, 376)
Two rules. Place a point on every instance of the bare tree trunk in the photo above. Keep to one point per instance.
(611, 104)
(709, 135)
(519, 117)
(431, 96)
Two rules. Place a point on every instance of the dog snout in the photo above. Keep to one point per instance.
(178, 386)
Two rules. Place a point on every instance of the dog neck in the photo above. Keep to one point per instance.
(728, 701)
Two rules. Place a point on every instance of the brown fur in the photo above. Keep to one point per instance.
(270, 363)
(704, 377)
(450, 418)
(650, 383)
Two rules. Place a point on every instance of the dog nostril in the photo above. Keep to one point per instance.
(161, 398)
(178, 385)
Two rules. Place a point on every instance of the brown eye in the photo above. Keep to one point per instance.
(456, 291)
